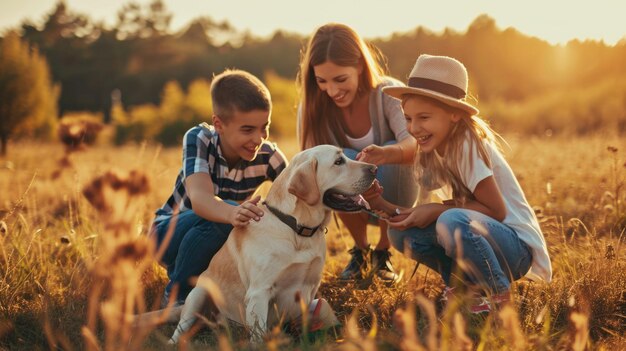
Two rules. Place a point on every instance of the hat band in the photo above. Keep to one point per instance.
(435, 85)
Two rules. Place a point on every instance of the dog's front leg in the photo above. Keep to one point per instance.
(257, 309)
(193, 305)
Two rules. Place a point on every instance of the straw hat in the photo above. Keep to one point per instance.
(438, 77)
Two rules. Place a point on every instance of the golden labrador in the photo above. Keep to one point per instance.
(267, 266)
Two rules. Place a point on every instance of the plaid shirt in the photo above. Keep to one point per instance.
(202, 154)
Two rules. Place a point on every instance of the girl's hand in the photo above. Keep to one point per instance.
(450, 202)
(420, 216)
(248, 210)
(372, 154)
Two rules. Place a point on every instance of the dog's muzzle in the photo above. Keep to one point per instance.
(342, 202)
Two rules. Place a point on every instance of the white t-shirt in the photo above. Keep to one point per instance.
(362, 142)
(519, 215)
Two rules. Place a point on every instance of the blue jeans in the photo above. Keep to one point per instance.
(397, 180)
(492, 253)
(193, 244)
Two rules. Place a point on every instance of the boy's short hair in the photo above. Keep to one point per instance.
(237, 90)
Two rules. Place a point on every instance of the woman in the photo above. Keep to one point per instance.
(341, 103)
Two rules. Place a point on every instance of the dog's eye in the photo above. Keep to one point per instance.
(340, 161)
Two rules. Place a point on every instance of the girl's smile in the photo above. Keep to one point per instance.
(428, 123)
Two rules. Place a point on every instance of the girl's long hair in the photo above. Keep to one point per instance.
(342, 46)
(433, 172)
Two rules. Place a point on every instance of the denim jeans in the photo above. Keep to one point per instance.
(482, 250)
(397, 180)
(193, 244)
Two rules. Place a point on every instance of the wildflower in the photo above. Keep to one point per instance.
(113, 193)
(74, 133)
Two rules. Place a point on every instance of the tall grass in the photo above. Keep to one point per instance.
(75, 264)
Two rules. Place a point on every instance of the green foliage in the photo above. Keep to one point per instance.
(284, 100)
(27, 97)
(180, 110)
(168, 122)
(521, 83)
(139, 56)
(135, 21)
(140, 123)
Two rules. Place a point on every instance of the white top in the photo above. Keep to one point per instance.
(362, 142)
(519, 215)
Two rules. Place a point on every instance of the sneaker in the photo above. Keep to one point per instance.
(321, 315)
(488, 304)
(478, 303)
(447, 295)
(382, 268)
(357, 265)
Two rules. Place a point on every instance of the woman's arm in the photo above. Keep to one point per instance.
(402, 152)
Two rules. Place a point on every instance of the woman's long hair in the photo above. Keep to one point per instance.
(433, 171)
(342, 46)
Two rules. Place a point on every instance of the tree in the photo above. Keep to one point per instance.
(135, 21)
(27, 97)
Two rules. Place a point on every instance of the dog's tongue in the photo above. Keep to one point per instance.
(361, 201)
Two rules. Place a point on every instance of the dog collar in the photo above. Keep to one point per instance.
(292, 222)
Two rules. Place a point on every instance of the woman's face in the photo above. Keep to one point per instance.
(339, 82)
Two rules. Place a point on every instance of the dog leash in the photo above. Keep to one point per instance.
(292, 222)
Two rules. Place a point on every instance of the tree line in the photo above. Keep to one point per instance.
(94, 66)
(140, 54)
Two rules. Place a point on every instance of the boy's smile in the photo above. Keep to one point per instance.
(242, 134)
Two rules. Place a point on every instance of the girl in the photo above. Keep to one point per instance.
(342, 104)
(487, 231)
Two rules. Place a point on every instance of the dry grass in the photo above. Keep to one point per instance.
(72, 274)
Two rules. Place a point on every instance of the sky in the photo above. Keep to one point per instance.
(556, 21)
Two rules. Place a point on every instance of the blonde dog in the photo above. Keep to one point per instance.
(268, 266)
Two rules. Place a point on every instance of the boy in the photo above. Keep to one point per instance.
(222, 166)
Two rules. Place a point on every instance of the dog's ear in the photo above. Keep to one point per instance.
(303, 183)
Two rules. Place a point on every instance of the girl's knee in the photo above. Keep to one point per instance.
(451, 226)
(396, 238)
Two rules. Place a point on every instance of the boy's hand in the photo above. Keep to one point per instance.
(372, 154)
(245, 212)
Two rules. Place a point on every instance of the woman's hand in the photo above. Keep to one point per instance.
(420, 216)
(248, 210)
(372, 154)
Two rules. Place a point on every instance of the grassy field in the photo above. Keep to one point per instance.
(71, 273)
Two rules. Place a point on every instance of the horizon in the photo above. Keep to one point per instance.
(546, 21)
